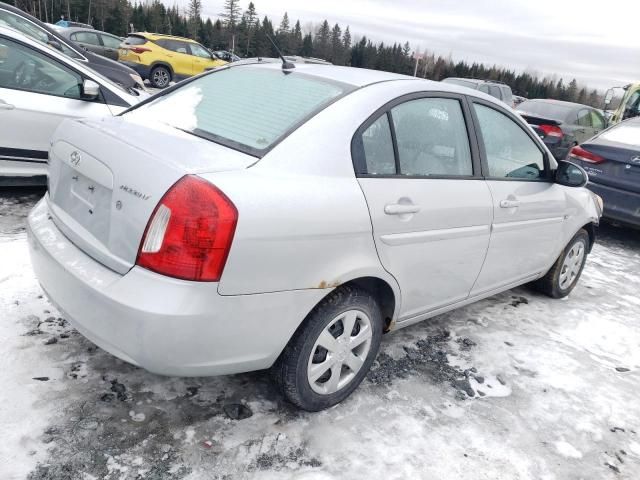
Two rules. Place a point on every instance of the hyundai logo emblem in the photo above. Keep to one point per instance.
(75, 158)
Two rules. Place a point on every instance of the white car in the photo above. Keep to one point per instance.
(258, 217)
(40, 87)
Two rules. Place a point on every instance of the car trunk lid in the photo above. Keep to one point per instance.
(543, 126)
(106, 177)
(620, 167)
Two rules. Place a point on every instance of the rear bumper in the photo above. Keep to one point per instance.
(142, 70)
(167, 326)
(619, 205)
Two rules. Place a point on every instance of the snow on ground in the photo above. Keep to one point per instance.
(517, 386)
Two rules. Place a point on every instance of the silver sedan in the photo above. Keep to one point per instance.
(261, 216)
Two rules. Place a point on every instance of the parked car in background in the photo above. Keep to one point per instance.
(612, 160)
(226, 55)
(561, 125)
(517, 100)
(95, 41)
(32, 27)
(499, 90)
(165, 58)
(40, 87)
(258, 249)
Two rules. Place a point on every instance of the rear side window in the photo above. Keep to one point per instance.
(86, 37)
(173, 45)
(377, 144)
(510, 152)
(432, 137)
(247, 108)
(135, 40)
(597, 120)
(584, 118)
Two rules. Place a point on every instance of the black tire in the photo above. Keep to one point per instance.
(550, 284)
(160, 76)
(290, 370)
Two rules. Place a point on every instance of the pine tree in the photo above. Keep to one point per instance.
(195, 17)
(336, 54)
(231, 14)
(251, 21)
(321, 42)
(296, 39)
(283, 35)
(572, 91)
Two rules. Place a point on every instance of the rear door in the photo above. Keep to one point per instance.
(528, 207)
(430, 209)
(37, 92)
(88, 40)
(110, 45)
(584, 130)
(179, 56)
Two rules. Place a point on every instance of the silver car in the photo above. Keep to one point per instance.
(259, 217)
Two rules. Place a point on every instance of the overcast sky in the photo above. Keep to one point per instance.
(597, 42)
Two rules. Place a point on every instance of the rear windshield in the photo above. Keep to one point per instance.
(627, 133)
(246, 108)
(552, 111)
(135, 40)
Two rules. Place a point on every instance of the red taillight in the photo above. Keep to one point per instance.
(580, 153)
(139, 50)
(551, 130)
(190, 232)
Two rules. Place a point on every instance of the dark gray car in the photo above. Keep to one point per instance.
(95, 41)
(612, 160)
(561, 125)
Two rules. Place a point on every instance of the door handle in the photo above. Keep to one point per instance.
(400, 209)
(6, 106)
(509, 203)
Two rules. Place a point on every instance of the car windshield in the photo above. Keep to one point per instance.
(248, 108)
(553, 111)
(627, 133)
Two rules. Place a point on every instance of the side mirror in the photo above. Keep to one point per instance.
(608, 96)
(570, 175)
(90, 89)
(55, 44)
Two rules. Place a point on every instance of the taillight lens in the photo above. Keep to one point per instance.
(139, 50)
(579, 153)
(190, 232)
(551, 130)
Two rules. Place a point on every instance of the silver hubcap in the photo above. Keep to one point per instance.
(160, 77)
(339, 352)
(571, 265)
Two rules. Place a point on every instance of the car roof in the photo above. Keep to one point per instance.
(71, 30)
(158, 36)
(362, 77)
(559, 102)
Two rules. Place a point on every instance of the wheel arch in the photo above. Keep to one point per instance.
(591, 230)
(160, 63)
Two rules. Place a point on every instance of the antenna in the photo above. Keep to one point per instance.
(285, 64)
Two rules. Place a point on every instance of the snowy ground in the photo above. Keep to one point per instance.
(514, 387)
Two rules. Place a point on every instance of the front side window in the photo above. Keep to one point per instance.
(199, 51)
(89, 38)
(510, 152)
(110, 42)
(432, 137)
(248, 108)
(22, 68)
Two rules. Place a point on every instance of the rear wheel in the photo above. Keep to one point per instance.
(332, 351)
(564, 274)
(160, 77)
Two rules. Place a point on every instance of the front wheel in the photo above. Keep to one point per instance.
(160, 77)
(564, 274)
(332, 351)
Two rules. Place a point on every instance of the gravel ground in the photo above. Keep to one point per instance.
(517, 386)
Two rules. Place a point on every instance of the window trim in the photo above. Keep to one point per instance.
(548, 178)
(359, 162)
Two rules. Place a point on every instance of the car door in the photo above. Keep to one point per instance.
(528, 207)
(180, 58)
(202, 58)
(429, 208)
(110, 45)
(88, 40)
(597, 121)
(37, 92)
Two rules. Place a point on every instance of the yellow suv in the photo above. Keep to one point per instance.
(163, 58)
